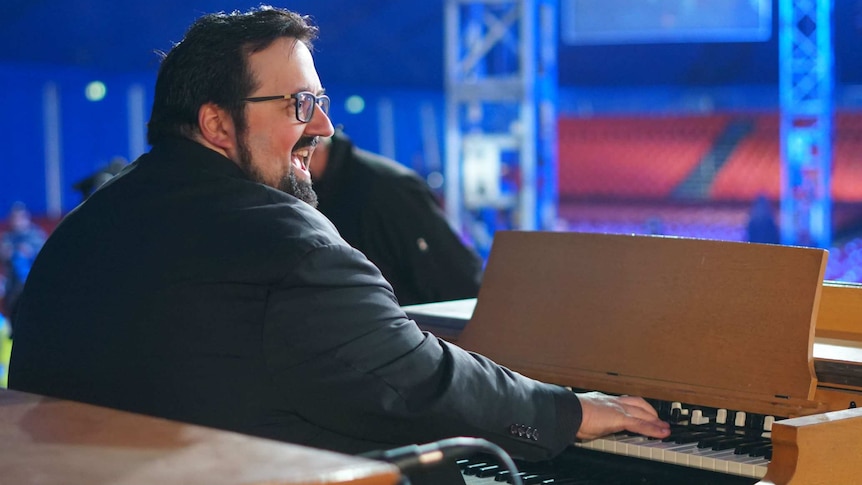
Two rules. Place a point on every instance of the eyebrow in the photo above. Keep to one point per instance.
(320, 92)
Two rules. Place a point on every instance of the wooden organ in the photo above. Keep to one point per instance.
(703, 327)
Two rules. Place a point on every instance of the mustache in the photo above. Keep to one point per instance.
(307, 141)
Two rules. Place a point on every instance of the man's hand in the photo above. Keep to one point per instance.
(603, 414)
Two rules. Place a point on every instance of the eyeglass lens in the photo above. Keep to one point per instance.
(305, 105)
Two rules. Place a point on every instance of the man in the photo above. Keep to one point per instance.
(388, 212)
(208, 289)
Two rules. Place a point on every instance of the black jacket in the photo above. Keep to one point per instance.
(183, 290)
(388, 212)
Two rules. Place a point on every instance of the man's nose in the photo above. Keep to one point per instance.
(319, 125)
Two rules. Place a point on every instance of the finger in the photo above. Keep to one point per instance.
(640, 403)
(639, 416)
(647, 414)
(652, 428)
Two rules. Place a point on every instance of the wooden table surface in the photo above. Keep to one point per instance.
(49, 441)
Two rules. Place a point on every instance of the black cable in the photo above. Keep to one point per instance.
(411, 457)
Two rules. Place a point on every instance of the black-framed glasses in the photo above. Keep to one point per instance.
(305, 103)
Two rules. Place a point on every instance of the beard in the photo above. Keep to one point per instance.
(288, 184)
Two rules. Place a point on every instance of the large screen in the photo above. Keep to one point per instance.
(658, 21)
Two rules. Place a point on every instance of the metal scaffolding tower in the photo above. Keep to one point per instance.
(501, 126)
(805, 85)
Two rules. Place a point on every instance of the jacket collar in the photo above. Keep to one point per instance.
(184, 153)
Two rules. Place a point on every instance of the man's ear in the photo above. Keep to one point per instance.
(217, 127)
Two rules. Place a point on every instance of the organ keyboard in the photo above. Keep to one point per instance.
(588, 467)
(740, 445)
(726, 331)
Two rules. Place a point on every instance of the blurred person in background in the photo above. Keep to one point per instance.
(89, 184)
(19, 246)
(5, 350)
(761, 226)
(388, 212)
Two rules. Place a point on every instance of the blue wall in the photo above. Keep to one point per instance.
(22, 157)
(92, 133)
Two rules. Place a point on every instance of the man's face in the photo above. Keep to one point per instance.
(275, 148)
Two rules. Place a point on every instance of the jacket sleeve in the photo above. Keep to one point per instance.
(348, 359)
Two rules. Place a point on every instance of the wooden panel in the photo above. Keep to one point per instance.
(49, 441)
(838, 363)
(838, 399)
(822, 449)
(840, 314)
(663, 316)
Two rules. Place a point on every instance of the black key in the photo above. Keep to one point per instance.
(574, 481)
(728, 444)
(744, 448)
(487, 471)
(762, 451)
(690, 437)
(712, 440)
(509, 478)
(754, 422)
(473, 468)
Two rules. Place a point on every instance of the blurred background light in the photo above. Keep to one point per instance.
(96, 91)
(354, 104)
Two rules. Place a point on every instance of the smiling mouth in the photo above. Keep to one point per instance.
(303, 157)
(302, 154)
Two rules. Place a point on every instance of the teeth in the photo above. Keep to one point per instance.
(304, 157)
